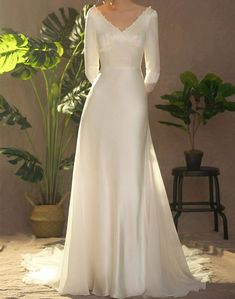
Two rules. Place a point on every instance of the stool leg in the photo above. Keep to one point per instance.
(180, 192)
(217, 192)
(216, 224)
(179, 199)
(176, 217)
(175, 188)
(213, 203)
(225, 222)
(211, 192)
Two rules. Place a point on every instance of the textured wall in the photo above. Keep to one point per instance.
(194, 35)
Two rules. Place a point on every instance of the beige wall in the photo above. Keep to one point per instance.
(195, 35)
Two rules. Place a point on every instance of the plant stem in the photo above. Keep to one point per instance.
(43, 113)
(39, 101)
(48, 166)
(55, 143)
(36, 154)
(67, 143)
(193, 131)
(198, 125)
(60, 87)
(66, 118)
(67, 66)
(59, 147)
(30, 142)
(190, 136)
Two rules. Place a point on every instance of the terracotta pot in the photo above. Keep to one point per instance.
(47, 220)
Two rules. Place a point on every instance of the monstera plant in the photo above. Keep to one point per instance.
(57, 57)
(195, 105)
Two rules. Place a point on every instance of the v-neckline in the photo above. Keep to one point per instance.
(126, 28)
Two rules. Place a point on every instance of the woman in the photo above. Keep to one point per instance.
(121, 239)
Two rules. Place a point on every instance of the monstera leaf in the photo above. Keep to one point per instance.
(58, 28)
(74, 76)
(77, 34)
(30, 169)
(24, 72)
(73, 103)
(13, 48)
(75, 85)
(17, 49)
(67, 27)
(43, 55)
(67, 163)
(10, 115)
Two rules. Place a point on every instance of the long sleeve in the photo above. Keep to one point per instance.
(152, 53)
(91, 54)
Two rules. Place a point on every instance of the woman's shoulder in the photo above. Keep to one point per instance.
(92, 9)
(153, 11)
(99, 8)
(146, 7)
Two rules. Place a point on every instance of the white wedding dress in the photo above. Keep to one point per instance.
(121, 239)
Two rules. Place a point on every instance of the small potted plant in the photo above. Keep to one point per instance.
(194, 106)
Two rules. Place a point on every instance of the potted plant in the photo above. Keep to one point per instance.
(194, 106)
(57, 56)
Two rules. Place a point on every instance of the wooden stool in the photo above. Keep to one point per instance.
(213, 205)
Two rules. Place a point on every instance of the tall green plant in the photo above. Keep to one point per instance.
(197, 103)
(57, 56)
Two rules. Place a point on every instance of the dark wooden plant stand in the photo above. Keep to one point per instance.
(213, 205)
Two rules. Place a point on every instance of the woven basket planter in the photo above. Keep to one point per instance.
(47, 220)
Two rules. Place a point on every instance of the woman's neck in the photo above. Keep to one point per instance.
(122, 4)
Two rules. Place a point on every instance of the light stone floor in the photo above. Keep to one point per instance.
(221, 253)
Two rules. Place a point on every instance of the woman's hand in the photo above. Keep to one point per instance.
(149, 87)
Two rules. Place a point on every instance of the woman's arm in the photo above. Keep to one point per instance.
(152, 53)
(91, 54)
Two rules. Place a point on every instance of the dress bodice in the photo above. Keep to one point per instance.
(110, 47)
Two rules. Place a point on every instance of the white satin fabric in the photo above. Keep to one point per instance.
(121, 239)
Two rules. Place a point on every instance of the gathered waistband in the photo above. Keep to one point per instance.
(111, 70)
(103, 68)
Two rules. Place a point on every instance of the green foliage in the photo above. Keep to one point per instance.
(23, 71)
(198, 102)
(188, 78)
(61, 40)
(13, 48)
(43, 55)
(74, 102)
(75, 85)
(16, 48)
(67, 163)
(30, 169)
(10, 115)
(58, 28)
